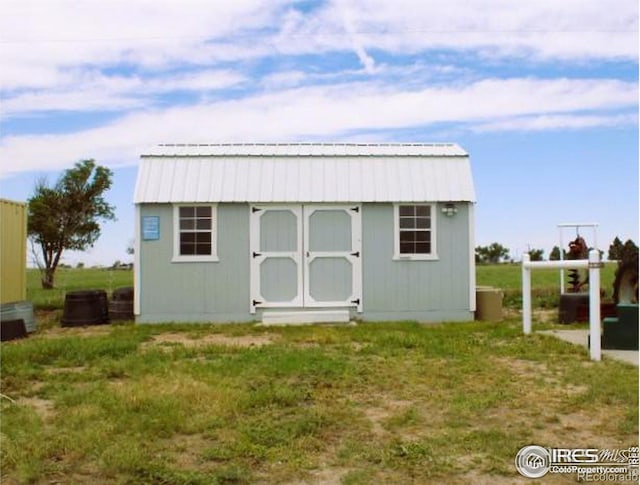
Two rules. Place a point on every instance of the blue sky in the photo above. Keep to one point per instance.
(543, 95)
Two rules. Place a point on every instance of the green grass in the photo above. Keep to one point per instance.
(73, 279)
(545, 283)
(376, 403)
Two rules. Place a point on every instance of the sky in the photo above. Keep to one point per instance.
(543, 95)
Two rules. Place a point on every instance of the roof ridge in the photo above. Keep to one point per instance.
(258, 144)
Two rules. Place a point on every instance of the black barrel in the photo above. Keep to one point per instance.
(125, 293)
(121, 304)
(574, 307)
(87, 307)
(12, 329)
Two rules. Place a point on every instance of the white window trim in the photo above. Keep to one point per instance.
(180, 258)
(433, 255)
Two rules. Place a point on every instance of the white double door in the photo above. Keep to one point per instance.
(305, 256)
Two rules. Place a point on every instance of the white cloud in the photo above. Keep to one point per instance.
(552, 122)
(331, 112)
(42, 39)
(543, 29)
(92, 91)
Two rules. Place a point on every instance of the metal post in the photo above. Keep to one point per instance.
(526, 294)
(594, 303)
(561, 259)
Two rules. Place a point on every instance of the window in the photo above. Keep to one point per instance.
(194, 233)
(414, 231)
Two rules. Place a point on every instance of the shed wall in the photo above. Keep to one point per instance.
(415, 290)
(13, 251)
(392, 290)
(192, 292)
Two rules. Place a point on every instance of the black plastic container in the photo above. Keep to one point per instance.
(87, 307)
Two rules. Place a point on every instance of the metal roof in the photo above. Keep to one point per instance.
(305, 172)
(308, 149)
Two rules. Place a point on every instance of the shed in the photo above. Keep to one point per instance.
(13, 251)
(304, 232)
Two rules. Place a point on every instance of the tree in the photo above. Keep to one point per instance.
(629, 251)
(554, 255)
(536, 254)
(494, 253)
(615, 250)
(66, 215)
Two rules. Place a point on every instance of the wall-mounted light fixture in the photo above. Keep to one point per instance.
(449, 209)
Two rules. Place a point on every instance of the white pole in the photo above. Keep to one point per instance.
(526, 294)
(561, 259)
(594, 303)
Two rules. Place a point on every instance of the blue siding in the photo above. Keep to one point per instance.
(416, 290)
(392, 290)
(198, 292)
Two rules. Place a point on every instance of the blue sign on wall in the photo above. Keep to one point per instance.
(150, 228)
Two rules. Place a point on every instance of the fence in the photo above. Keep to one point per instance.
(593, 264)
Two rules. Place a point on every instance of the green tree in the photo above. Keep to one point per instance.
(554, 255)
(494, 253)
(629, 251)
(615, 250)
(536, 254)
(66, 215)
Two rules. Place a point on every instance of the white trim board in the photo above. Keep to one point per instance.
(304, 317)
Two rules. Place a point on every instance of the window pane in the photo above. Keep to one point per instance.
(407, 223)
(203, 212)
(423, 210)
(407, 237)
(187, 237)
(187, 212)
(187, 249)
(406, 248)
(423, 223)
(407, 210)
(203, 224)
(203, 249)
(422, 236)
(203, 237)
(423, 248)
(187, 224)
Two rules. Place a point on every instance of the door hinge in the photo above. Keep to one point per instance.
(355, 209)
(356, 254)
(256, 302)
(255, 255)
(356, 301)
(255, 209)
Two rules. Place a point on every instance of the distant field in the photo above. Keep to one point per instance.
(545, 283)
(67, 279)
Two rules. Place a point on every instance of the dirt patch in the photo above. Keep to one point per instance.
(67, 370)
(88, 331)
(378, 415)
(325, 476)
(187, 340)
(43, 407)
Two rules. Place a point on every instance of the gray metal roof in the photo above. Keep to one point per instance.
(305, 172)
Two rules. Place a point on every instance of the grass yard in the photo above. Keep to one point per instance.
(399, 403)
(237, 404)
